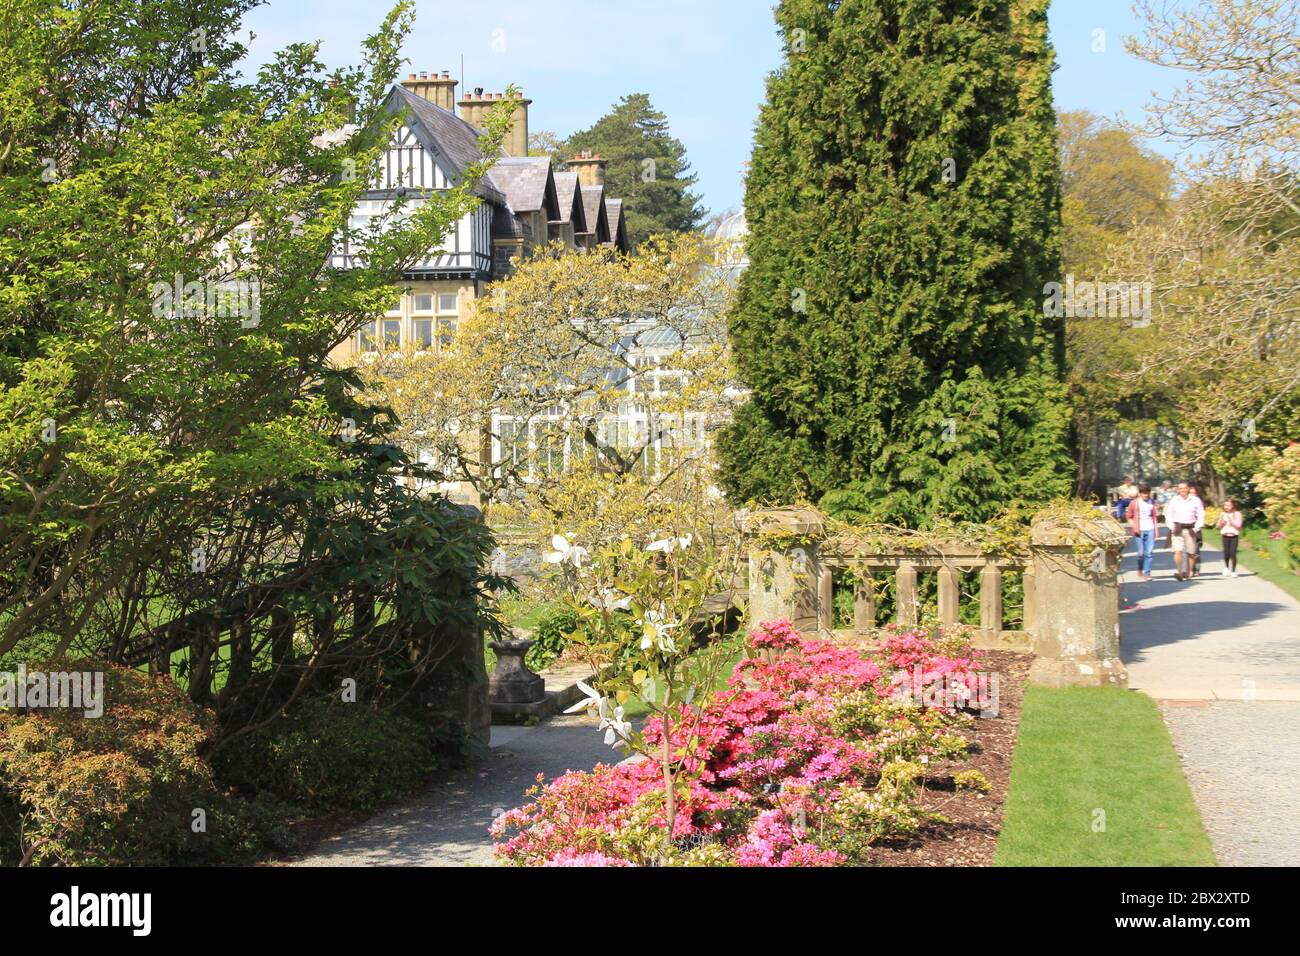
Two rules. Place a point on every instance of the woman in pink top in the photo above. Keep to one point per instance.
(1229, 525)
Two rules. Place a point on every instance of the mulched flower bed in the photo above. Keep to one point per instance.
(971, 838)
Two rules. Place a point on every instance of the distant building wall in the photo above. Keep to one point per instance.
(1113, 453)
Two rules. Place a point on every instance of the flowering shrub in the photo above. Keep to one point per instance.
(810, 756)
(1279, 484)
(122, 788)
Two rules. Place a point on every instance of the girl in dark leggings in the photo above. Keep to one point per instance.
(1229, 525)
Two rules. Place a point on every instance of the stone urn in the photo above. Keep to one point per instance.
(511, 681)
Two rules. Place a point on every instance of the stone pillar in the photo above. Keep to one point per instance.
(905, 594)
(1076, 601)
(1030, 614)
(784, 571)
(949, 595)
(991, 602)
(864, 604)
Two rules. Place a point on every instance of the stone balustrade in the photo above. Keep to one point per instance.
(1068, 565)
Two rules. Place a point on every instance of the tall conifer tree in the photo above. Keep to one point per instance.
(904, 208)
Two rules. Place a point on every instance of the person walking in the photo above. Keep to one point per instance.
(1162, 496)
(1186, 515)
(1229, 525)
(1200, 534)
(1142, 519)
(1124, 494)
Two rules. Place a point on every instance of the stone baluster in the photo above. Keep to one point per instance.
(949, 595)
(1030, 613)
(864, 604)
(991, 602)
(905, 594)
(825, 599)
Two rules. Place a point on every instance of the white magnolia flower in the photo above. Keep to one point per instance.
(655, 632)
(591, 701)
(565, 553)
(669, 545)
(617, 729)
(610, 600)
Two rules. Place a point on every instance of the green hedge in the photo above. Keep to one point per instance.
(331, 756)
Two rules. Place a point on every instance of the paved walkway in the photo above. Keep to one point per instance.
(448, 824)
(1222, 656)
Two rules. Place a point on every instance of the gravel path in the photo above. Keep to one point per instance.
(1242, 760)
(448, 824)
(1222, 656)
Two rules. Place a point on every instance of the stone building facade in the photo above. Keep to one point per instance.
(523, 204)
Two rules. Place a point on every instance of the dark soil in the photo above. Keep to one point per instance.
(970, 838)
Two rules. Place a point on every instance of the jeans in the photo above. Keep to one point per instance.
(1146, 544)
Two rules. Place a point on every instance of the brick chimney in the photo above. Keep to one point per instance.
(475, 106)
(590, 168)
(438, 90)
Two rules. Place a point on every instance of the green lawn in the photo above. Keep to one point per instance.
(1272, 568)
(732, 652)
(1096, 782)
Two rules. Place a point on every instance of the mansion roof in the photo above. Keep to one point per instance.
(515, 186)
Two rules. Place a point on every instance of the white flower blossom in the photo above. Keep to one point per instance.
(565, 553)
(591, 700)
(669, 545)
(610, 600)
(617, 729)
(655, 632)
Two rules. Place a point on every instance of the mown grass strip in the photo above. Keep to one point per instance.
(1096, 782)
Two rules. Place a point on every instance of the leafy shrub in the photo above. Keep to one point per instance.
(971, 780)
(1279, 484)
(550, 637)
(811, 755)
(331, 756)
(1291, 542)
(121, 788)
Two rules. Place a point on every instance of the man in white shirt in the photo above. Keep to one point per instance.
(1185, 515)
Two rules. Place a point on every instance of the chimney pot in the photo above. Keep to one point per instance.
(411, 77)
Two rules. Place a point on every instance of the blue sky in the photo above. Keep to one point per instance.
(703, 62)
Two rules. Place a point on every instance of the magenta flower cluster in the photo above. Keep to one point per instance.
(763, 764)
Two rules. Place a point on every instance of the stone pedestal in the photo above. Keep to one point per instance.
(1076, 598)
(513, 688)
(785, 575)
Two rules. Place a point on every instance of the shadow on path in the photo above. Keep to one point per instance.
(448, 824)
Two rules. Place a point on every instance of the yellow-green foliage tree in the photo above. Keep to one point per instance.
(1112, 185)
(1226, 264)
(598, 380)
